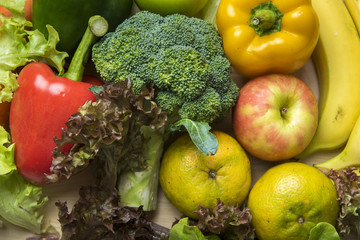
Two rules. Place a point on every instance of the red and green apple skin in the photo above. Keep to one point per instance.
(275, 117)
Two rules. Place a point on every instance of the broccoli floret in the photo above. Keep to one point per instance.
(182, 57)
(180, 62)
(170, 102)
(210, 103)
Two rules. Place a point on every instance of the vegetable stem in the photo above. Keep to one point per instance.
(265, 18)
(97, 27)
(140, 188)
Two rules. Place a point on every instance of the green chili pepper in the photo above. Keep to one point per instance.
(70, 18)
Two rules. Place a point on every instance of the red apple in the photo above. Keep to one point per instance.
(275, 117)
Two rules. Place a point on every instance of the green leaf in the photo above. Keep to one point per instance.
(96, 89)
(7, 164)
(21, 202)
(8, 80)
(15, 6)
(324, 231)
(19, 46)
(200, 134)
(182, 230)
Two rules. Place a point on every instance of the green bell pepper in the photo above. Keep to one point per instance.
(70, 18)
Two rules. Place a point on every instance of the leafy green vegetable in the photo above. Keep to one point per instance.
(182, 57)
(98, 215)
(182, 230)
(347, 183)
(227, 221)
(124, 134)
(15, 6)
(200, 134)
(21, 203)
(19, 46)
(324, 231)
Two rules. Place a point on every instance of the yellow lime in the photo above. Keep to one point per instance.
(189, 178)
(289, 200)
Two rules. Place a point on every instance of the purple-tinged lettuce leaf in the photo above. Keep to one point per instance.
(227, 221)
(347, 183)
(98, 215)
(109, 130)
(123, 134)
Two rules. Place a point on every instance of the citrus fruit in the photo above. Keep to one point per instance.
(290, 199)
(189, 178)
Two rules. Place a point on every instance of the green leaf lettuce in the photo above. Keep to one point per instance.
(19, 46)
(21, 202)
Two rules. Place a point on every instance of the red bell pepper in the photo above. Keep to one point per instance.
(44, 102)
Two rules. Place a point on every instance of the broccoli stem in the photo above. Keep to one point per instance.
(97, 27)
(140, 188)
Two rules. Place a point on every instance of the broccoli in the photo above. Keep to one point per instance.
(161, 74)
(183, 57)
(183, 60)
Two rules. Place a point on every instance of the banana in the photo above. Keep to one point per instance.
(354, 9)
(336, 59)
(349, 156)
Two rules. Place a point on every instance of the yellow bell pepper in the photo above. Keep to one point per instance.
(262, 37)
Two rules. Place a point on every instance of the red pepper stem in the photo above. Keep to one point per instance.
(97, 27)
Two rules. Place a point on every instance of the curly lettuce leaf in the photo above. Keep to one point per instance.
(183, 230)
(19, 46)
(21, 203)
(8, 81)
(227, 221)
(13, 5)
(122, 132)
(106, 219)
(347, 183)
(7, 163)
(110, 131)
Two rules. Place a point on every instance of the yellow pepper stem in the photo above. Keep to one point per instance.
(265, 18)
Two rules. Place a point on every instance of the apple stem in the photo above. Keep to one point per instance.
(284, 110)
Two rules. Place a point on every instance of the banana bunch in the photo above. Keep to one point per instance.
(349, 157)
(337, 61)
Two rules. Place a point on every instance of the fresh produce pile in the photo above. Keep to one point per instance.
(136, 92)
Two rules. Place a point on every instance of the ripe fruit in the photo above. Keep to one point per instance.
(189, 178)
(275, 116)
(338, 75)
(290, 199)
